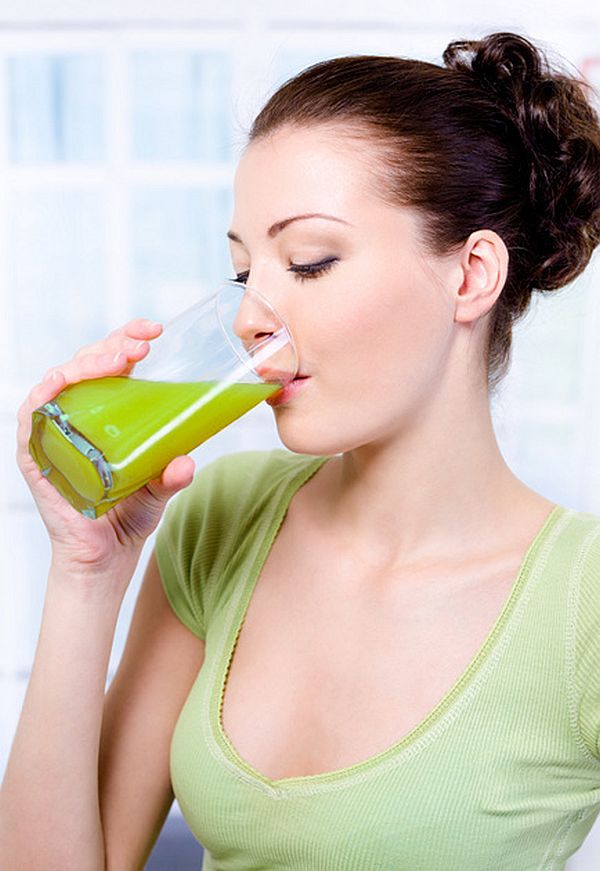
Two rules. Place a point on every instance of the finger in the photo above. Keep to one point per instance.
(139, 514)
(90, 366)
(140, 328)
(84, 368)
(175, 476)
(135, 344)
(178, 474)
(106, 363)
(93, 366)
(134, 350)
(123, 338)
(40, 395)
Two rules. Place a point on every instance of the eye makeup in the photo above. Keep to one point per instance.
(302, 271)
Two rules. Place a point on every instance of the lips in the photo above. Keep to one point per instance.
(288, 392)
(268, 374)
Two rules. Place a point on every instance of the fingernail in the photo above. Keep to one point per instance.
(52, 376)
(118, 357)
(139, 344)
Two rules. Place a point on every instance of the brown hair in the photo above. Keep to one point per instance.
(494, 139)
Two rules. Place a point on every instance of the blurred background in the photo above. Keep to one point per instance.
(120, 126)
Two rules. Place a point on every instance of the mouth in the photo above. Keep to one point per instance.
(288, 392)
(268, 374)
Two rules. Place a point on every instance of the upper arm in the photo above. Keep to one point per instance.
(160, 662)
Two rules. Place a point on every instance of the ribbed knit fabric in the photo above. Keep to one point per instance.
(502, 775)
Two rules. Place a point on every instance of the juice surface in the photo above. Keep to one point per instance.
(139, 426)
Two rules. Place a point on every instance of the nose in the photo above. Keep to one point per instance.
(254, 321)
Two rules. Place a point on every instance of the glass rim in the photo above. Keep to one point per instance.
(232, 282)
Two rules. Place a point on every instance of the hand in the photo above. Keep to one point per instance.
(87, 545)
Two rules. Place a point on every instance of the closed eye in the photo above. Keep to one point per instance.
(302, 271)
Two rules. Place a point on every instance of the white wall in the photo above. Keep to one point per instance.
(80, 218)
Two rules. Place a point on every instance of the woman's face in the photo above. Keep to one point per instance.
(372, 324)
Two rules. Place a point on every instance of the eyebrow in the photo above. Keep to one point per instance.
(278, 226)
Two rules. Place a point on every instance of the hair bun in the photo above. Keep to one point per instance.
(554, 131)
(504, 62)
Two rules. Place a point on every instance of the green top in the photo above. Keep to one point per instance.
(502, 774)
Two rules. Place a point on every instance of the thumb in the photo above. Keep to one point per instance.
(177, 475)
(140, 513)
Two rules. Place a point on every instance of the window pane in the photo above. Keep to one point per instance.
(57, 108)
(58, 253)
(556, 320)
(293, 61)
(180, 104)
(180, 250)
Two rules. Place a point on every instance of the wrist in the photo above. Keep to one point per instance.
(94, 583)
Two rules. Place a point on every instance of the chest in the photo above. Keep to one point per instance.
(333, 666)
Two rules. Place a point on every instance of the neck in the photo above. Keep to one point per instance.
(428, 491)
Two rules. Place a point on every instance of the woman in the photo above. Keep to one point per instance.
(416, 679)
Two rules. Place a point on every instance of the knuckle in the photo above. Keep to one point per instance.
(35, 395)
(120, 333)
(130, 344)
(89, 363)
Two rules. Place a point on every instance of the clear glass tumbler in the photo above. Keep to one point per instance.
(101, 439)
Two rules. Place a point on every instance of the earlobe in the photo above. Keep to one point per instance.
(484, 265)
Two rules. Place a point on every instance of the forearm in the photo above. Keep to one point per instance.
(49, 809)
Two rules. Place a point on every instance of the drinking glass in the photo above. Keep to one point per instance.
(101, 439)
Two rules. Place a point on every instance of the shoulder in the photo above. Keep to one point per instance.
(576, 541)
(582, 549)
(576, 557)
(566, 553)
(235, 485)
(252, 467)
(214, 524)
(234, 474)
(580, 534)
(586, 531)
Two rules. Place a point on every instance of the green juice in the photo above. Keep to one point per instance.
(102, 439)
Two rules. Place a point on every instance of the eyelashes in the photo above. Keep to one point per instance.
(302, 271)
(312, 270)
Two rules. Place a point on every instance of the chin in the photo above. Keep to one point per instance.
(311, 443)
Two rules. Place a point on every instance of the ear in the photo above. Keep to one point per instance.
(483, 266)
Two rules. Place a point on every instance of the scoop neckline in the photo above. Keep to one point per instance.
(450, 697)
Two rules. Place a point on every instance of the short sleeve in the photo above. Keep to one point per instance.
(586, 646)
(185, 547)
(212, 530)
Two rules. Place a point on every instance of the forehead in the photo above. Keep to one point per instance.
(314, 169)
(322, 169)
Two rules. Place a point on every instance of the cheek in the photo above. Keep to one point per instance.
(380, 346)
(374, 363)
